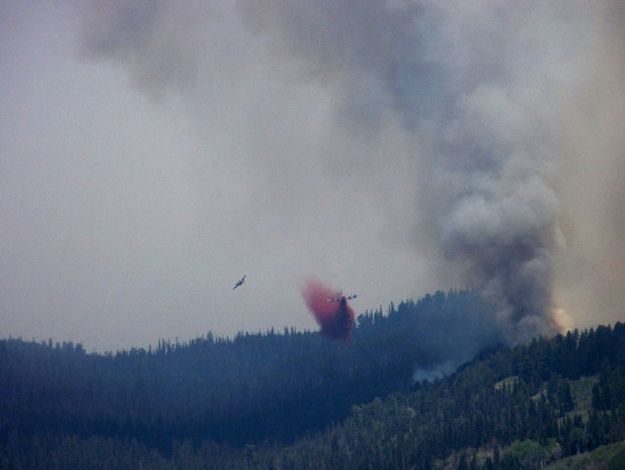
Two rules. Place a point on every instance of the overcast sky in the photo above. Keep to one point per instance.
(151, 153)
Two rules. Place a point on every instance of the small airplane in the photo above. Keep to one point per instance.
(239, 282)
(340, 298)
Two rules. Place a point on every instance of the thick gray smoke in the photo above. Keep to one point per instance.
(502, 107)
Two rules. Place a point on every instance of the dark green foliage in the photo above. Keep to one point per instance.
(295, 400)
(609, 392)
(468, 411)
(252, 388)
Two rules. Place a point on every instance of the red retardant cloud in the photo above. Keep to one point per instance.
(336, 319)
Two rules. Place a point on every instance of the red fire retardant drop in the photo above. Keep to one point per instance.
(336, 319)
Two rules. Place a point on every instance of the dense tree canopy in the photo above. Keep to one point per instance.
(297, 400)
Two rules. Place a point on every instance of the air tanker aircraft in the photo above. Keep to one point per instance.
(239, 282)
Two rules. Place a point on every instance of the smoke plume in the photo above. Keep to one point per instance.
(485, 116)
(334, 316)
(480, 87)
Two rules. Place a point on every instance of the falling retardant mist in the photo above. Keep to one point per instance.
(334, 316)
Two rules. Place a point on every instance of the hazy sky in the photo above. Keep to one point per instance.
(151, 153)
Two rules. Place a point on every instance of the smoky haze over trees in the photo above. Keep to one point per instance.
(151, 152)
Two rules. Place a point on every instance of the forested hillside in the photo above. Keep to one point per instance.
(515, 408)
(252, 388)
(297, 400)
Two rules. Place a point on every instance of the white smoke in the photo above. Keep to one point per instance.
(500, 105)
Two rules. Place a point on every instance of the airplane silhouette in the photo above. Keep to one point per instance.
(340, 298)
(239, 282)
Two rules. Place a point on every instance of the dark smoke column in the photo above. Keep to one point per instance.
(336, 319)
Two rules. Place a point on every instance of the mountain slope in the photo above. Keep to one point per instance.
(295, 400)
(252, 388)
